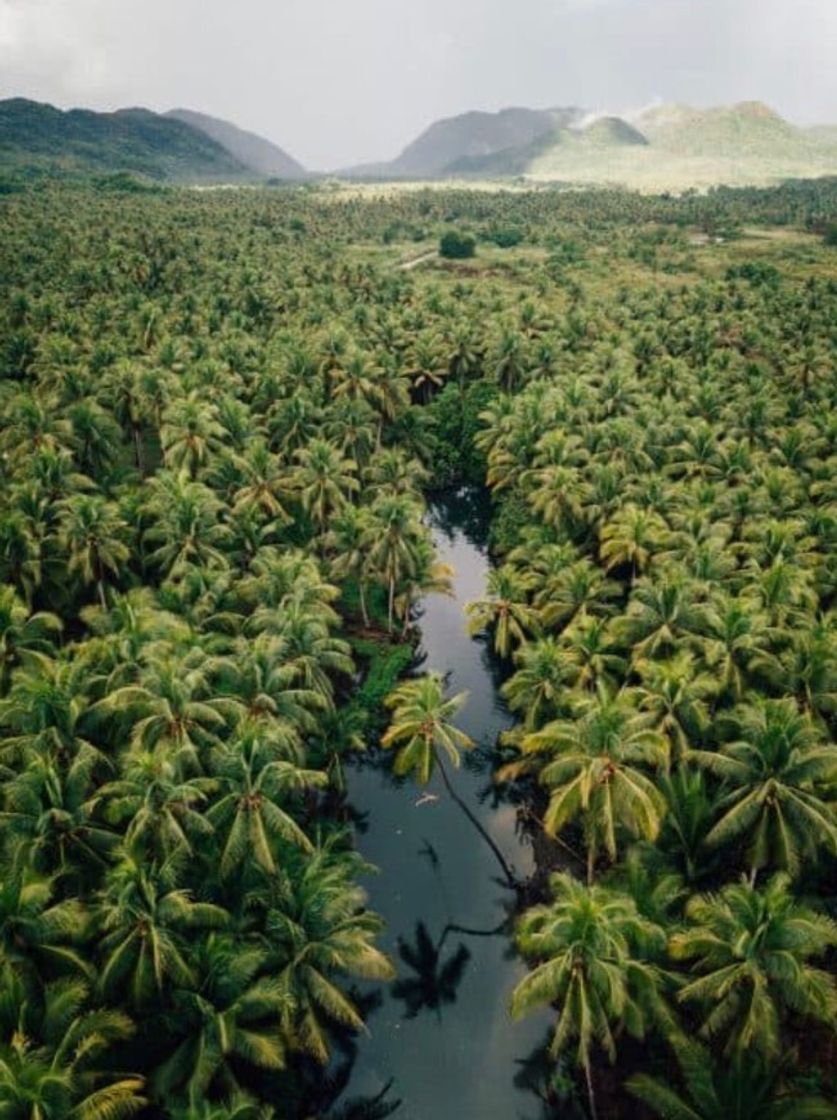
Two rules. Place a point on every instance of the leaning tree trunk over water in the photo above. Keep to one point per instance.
(511, 880)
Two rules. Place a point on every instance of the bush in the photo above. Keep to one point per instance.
(456, 245)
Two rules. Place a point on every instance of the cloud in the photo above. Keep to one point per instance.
(337, 81)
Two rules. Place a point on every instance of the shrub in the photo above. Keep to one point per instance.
(457, 245)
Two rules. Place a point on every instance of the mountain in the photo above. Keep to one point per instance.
(181, 145)
(252, 151)
(467, 139)
(668, 147)
(671, 147)
(40, 136)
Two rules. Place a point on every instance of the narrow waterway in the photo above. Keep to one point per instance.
(442, 1037)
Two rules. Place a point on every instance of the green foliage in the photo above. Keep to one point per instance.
(457, 244)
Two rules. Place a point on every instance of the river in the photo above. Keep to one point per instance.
(442, 1035)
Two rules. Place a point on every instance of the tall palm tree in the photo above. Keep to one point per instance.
(55, 1063)
(93, 535)
(504, 609)
(596, 768)
(394, 529)
(319, 930)
(421, 731)
(747, 1088)
(592, 955)
(779, 776)
(144, 946)
(325, 480)
(248, 814)
(750, 950)
(22, 633)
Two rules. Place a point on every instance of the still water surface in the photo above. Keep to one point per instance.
(442, 1034)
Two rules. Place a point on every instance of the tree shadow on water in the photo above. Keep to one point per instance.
(435, 981)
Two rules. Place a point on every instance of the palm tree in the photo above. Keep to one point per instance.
(320, 930)
(421, 730)
(248, 815)
(736, 641)
(264, 482)
(545, 668)
(592, 954)
(144, 946)
(185, 524)
(190, 431)
(675, 695)
(631, 538)
(162, 813)
(22, 633)
(394, 529)
(750, 949)
(421, 726)
(747, 1088)
(170, 711)
(779, 777)
(594, 767)
(233, 1021)
(325, 480)
(505, 609)
(55, 1063)
(92, 533)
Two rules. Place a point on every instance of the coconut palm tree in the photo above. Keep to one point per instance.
(319, 930)
(779, 775)
(593, 956)
(325, 480)
(248, 814)
(421, 731)
(228, 1028)
(749, 952)
(93, 535)
(595, 767)
(394, 530)
(745, 1088)
(55, 1062)
(22, 633)
(504, 609)
(540, 683)
(145, 924)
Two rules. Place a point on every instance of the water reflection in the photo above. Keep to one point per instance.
(443, 1041)
(435, 980)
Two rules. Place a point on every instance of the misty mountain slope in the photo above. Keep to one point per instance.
(40, 136)
(473, 136)
(250, 149)
(739, 144)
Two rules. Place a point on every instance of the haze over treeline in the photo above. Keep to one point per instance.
(341, 83)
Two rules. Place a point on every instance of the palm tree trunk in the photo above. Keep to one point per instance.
(138, 450)
(591, 1097)
(390, 604)
(363, 610)
(513, 883)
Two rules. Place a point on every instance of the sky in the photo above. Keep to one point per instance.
(337, 82)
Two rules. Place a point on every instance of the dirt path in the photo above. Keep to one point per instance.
(405, 266)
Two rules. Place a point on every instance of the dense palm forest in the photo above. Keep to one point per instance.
(222, 413)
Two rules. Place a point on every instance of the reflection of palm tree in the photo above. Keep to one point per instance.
(368, 1108)
(435, 983)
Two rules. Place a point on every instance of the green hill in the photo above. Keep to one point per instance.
(34, 135)
(254, 152)
(470, 141)
(739, 144)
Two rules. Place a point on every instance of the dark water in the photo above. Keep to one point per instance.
(442, 1034)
